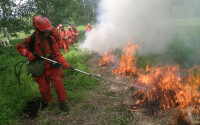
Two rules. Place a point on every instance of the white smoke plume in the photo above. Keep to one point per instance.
(150, 23)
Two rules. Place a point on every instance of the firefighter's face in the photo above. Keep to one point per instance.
(45, 33)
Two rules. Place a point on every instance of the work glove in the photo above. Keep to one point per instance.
(66, 66)
(31, 57)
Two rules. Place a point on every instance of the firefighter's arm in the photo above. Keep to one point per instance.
(58, 56)
(24, 49)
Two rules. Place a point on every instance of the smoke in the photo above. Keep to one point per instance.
(150, 23)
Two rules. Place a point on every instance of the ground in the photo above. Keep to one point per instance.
(108, 104)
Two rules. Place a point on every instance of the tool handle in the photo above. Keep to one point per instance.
(36, 55)
(60, 64)
(71, 68)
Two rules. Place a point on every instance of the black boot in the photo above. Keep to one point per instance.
(64, 107)
(44, 105)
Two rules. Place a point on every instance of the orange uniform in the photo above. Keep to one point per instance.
(56, 35)
(75, 34)
(69, 36)
(43, 43)
(64, 40)
(50, 73)
(88, 28)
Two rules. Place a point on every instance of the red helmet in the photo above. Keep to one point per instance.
(69, 27)
(73, 26)
(60, 26)
(88, 24)
(43, 24)
(36, 18)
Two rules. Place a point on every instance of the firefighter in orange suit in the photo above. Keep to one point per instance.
(74, 34)
(50, 73)
(64, 39)
(88, 28)
(69, 36)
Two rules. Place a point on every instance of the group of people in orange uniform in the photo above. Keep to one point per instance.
(68, 37)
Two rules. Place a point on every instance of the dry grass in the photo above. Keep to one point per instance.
(108, 104)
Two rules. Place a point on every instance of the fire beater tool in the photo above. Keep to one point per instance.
(92, 75)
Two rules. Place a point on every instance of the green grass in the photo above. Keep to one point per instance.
(13, 97)
(120, 121)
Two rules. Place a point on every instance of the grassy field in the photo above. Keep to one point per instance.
(13, 97)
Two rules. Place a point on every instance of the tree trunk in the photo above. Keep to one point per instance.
(3, 43)
(7, 35)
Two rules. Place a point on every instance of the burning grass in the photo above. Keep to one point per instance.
(107, 59)
(127, 63)
(162, 88)
(159, 88)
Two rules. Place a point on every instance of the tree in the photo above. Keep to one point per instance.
(67, 11)
(11, 17)
(18, 17)
(84, 11)
(56, 10)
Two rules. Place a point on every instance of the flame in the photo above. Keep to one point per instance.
(127, 63)
(107, 58)
(162, 88)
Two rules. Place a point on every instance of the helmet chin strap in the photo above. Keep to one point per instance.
(40, 35)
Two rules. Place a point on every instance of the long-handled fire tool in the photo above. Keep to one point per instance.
(92, 75)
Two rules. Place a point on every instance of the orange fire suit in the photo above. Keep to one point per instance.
(64, 40)
(69, 36)
(57, 36)
(50, 73)
(75, 35)
(88, 28)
